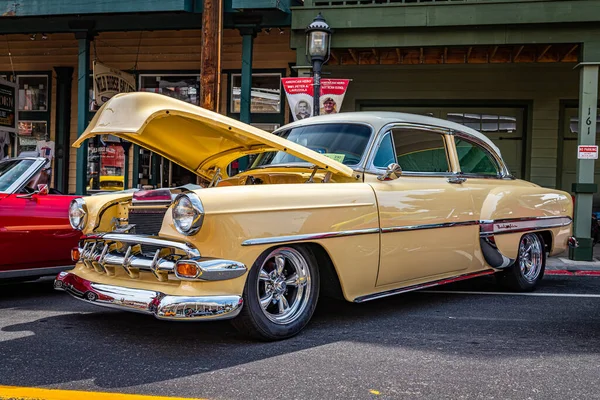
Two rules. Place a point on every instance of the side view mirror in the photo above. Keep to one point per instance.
(42, 190)
(392, 172)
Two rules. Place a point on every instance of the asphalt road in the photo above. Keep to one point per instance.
(433, 345)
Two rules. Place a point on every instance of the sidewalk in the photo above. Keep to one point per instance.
(561, 265)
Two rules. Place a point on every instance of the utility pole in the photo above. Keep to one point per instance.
(210, 69)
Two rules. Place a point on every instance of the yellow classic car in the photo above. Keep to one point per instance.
(356, 205)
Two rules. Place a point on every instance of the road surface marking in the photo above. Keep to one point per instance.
(27, 393)
(538, 294)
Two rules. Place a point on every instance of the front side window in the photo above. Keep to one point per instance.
(11, 171)
(385, 154)
(420, 150)
(473, 159)
(345, 143)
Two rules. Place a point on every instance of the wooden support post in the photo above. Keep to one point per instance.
(495, 49)
(519, 50)
(210, 69)
(543, 52)
(421, 56)
(445, 55)
(568, 53)
(399, 54)
(376, 54)
(469, 50)
(83, 108)
(353, 55)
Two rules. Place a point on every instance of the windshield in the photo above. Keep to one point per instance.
(11, 171)
(345, 143)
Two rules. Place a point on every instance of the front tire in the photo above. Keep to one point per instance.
(280, 295)
(528, 269)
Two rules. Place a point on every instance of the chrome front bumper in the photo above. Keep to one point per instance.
(162, 306)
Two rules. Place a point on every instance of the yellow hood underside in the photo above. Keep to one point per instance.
(191, 136)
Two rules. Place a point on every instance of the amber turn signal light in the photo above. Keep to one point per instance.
(187, 269)
(75, 255)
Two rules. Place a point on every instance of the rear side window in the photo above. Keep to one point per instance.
(420, 150)
(474, 159)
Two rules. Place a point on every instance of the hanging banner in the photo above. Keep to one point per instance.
(299, 92)
(8, 101)
(332, 95)
(108, 82)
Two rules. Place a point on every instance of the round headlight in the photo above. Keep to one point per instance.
(188, 213)
(77, 214)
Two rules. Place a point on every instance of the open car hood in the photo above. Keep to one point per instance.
(193, 137)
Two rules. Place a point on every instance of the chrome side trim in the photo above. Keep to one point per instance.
(309, 236)
(162, 306)
(515, 225)
(487, 228)
(411, 288)
(427, 226)
(214, 270)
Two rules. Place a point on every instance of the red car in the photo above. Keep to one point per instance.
(36, 237)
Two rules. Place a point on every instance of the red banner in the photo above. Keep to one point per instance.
(299, 93)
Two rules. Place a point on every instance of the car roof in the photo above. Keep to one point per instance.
(378, 119)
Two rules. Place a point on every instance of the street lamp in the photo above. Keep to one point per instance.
(318, 47)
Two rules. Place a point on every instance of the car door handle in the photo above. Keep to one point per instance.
(456, 179)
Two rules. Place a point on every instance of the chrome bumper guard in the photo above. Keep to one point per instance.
(105, 252)
(162, 306)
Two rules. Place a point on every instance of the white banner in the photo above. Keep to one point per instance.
(299, 93)
(108, 82)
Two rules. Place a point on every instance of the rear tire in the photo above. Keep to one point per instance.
(280, 294)
(528, 269)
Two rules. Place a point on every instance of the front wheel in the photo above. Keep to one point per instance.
(528, 269)
(280, 295)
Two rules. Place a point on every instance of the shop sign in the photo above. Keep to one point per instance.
(110, 81)
(8, 102)
(299, 92)
(587, 152)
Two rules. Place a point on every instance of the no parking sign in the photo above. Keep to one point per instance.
(587, 152)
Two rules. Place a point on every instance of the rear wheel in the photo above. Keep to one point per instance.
(280, 295)
(528, 269)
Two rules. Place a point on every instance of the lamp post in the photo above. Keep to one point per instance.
(318, 47)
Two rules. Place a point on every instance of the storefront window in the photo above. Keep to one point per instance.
(265, 97)
(31, 132)
(33, 92)
(182, 87)
(106, 164)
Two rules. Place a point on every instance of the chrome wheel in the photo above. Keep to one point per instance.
(531, 256)
(284, 285)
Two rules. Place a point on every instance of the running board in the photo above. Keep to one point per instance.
(412, 288)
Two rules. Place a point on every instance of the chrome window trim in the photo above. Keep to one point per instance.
(503, 171)
(17, 185)
(372, 169)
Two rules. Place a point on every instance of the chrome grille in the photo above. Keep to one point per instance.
(105, 253)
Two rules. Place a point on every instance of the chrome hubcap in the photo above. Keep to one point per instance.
(283, 285)
(530, 257)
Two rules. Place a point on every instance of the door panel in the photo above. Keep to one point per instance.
(35, 232)
(412, 246)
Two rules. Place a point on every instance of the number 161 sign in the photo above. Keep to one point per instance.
(587, 152)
